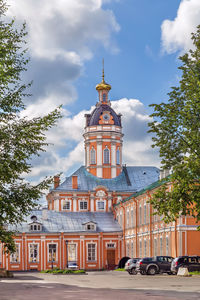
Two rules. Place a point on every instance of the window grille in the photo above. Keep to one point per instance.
(106, 156)
(83, 205)
(91, 252)
(33, 253)
(100, 205)
(15, 257)
(52, 252)
(93, 156)
(118, 156)
(66, 205)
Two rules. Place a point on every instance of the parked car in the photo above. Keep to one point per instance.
(192, 263)
(72, 266)
(154, 265)
(130, 266)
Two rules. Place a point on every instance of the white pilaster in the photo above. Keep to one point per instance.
(74, 204)
(88, 155)
(99, 159)
(92, 204)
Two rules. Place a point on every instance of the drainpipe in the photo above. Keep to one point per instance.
(175, 237)
(136, 228)
(150, 224)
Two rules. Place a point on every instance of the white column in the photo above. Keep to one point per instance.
(74, 204)
(88, 155)
(99, 159)
(91, 204)
(113, 160)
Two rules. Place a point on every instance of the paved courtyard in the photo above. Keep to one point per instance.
(99, 285)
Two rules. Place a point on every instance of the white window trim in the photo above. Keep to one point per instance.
(95, 251)
(97, 205)
(14, 262)
(70, 204)
(38, 258)
(82, 209)
(56, 251)
(72, 243)
(114, 247)
(92, 162)
(106, 163)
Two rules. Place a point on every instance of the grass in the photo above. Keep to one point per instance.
(59, 271)
(120, 270)
(194, 273)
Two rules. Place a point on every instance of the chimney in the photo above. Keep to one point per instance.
(74, 182)
(56, 180)
(44, 213)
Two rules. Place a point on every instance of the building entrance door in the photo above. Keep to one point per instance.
(111, 259)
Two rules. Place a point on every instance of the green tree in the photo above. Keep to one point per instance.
(176, 129)
(20, 138)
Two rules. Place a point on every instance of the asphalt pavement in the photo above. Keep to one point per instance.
(99, 285)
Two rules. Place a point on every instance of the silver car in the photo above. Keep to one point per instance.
(130, 266)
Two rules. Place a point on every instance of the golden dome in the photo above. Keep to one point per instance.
(103, 85)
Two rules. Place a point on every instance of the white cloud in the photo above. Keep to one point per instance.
(176, 34)
(62, 157)
(60, 28)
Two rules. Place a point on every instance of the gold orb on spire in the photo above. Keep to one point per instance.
(103, 85)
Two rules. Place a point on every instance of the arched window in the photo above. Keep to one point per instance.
(118, 156)
(92, 156)
(106, 156)
(104, 97)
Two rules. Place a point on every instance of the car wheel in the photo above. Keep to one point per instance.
(143, 272)
(151, 271)
(133, 272)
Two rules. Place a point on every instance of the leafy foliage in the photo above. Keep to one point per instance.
(176, 127)
(20, 138)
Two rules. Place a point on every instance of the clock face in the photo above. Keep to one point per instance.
(106, 117)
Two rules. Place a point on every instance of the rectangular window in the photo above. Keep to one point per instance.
(145, 248)
(33, 253)
(15, 257)
(155, 247)
(145, 214)
(167, 245)
(132, 250)
(140, 249)
(91, 252)
(132, 217)
(52, 252)
(111, 245)
(127, 218)
(66, 205)
(161, 246)
(72, 252)
(106, 153)
(83, 205)
(120, 220)
(140, 215)
(127, 248)
(100, 205)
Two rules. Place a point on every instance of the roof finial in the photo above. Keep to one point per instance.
(103, 71)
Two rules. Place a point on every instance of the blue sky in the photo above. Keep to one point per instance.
(140, 41)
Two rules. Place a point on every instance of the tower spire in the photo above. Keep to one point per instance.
(103, 71)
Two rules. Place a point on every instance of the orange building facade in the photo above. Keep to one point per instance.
(146, 234)
(100, 213)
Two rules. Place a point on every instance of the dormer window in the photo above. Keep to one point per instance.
(90, 226)
(67, 205)
(35, 225)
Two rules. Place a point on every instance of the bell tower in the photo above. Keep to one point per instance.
(103, 136)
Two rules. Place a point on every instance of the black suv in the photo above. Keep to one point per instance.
(154, 265)
(192, 263)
